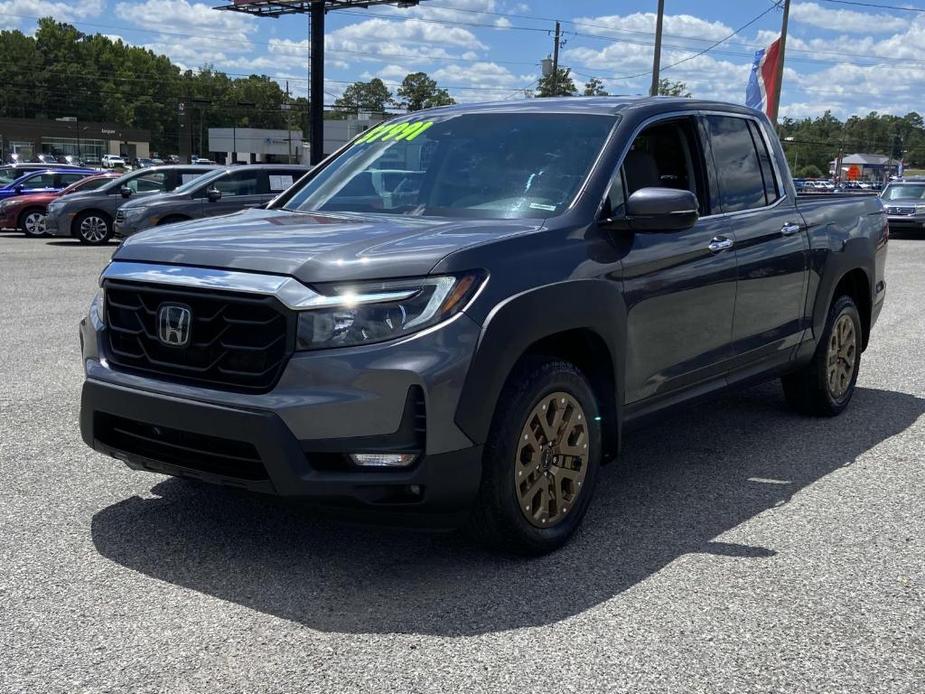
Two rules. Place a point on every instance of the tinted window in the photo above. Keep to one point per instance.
(771, 193)
(147, 183)
(44, 180)
(88, 184)
(238, 183)
(737, 167)
(65, 180)
(489, 165)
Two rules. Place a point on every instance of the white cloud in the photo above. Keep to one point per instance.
(191, 33)
(643, 23)
(850, 21)
(14, 13)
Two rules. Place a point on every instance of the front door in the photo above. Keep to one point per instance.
(240, 190)
(770, 239)
(679, 287)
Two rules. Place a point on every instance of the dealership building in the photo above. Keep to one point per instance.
(28, 137)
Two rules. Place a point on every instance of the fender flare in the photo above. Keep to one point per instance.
(524, 319)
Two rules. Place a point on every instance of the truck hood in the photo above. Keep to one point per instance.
(317, 247)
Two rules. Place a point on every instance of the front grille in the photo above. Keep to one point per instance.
(210, 454)
(120, 216)
(236, 341)
(901, 210)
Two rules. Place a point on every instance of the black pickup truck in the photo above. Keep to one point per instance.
(454, 318)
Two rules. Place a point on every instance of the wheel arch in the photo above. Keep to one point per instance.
(75, 225)
(581, 321)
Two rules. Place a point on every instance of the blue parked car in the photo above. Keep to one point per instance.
(47, 181)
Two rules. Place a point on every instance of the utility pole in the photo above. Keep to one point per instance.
(316, 88)
(555, 60)
(656, 60)
(780, 62)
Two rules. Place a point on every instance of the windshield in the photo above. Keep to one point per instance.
(905, 191)
(492, 165)
(199, 179)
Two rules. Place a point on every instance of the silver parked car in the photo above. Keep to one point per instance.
(227, 190)
(905, 205)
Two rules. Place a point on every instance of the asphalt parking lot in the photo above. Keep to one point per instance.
(739, 547)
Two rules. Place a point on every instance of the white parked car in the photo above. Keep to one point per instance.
(111, 161)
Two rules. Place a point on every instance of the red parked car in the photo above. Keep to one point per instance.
(27, 212)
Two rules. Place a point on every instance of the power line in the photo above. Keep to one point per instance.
(898, 8)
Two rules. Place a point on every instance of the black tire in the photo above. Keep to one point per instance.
(497, 518)
(808, 390)
(27, 222)
(93, 228)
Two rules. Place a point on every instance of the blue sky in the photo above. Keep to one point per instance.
(843, 56)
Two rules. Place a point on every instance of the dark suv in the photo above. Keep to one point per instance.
(455, 318)
(89, 216)
(220, 192)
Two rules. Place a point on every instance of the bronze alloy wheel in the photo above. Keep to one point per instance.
(842, 356)
(552, 457)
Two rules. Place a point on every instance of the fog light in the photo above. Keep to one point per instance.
(383, 459)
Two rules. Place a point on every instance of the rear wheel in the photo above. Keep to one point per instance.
(93, 228)
(823, 388)
(541, 459)
(32, 222)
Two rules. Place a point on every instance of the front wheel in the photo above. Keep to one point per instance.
(823, 388)
(541, 459)
(93, 228)
(32, 222)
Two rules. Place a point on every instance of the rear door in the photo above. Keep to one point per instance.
(679, 286)
(770, 240)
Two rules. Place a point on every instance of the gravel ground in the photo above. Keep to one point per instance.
(739, 548)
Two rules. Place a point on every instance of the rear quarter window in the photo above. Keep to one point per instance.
(738, 167)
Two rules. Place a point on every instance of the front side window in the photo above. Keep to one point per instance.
(737, 165)
(491, 165)
(39, 181)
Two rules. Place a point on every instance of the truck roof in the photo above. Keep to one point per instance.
(602, 105)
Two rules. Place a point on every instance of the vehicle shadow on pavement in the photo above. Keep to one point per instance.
(681, 484)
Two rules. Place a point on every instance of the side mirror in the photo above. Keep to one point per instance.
(214, 194)
(658, 210)
(126, 192)
(18, 189)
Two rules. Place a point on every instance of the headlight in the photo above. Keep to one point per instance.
(6, 203)
(355, 314)
(98, 309)
(920, 209)
(135, 212)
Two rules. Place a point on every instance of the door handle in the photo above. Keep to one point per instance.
(720, 243)
(790, 228)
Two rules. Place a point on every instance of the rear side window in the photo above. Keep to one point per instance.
(771, 192)
(239, 183)
(738, 168)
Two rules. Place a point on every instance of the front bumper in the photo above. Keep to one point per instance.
(58, 224)
(910, 222)
(8, 220)
(293, 440)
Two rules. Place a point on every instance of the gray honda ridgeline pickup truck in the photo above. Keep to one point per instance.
(455, 318)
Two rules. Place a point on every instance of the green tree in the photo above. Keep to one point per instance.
(594, 87)
(418, 91)
(559, 83)
(808, 171)
(365, 96)
(668, 88)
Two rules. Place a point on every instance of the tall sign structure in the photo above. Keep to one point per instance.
(316, 11)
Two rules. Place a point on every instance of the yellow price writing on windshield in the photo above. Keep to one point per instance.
(394, 132)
